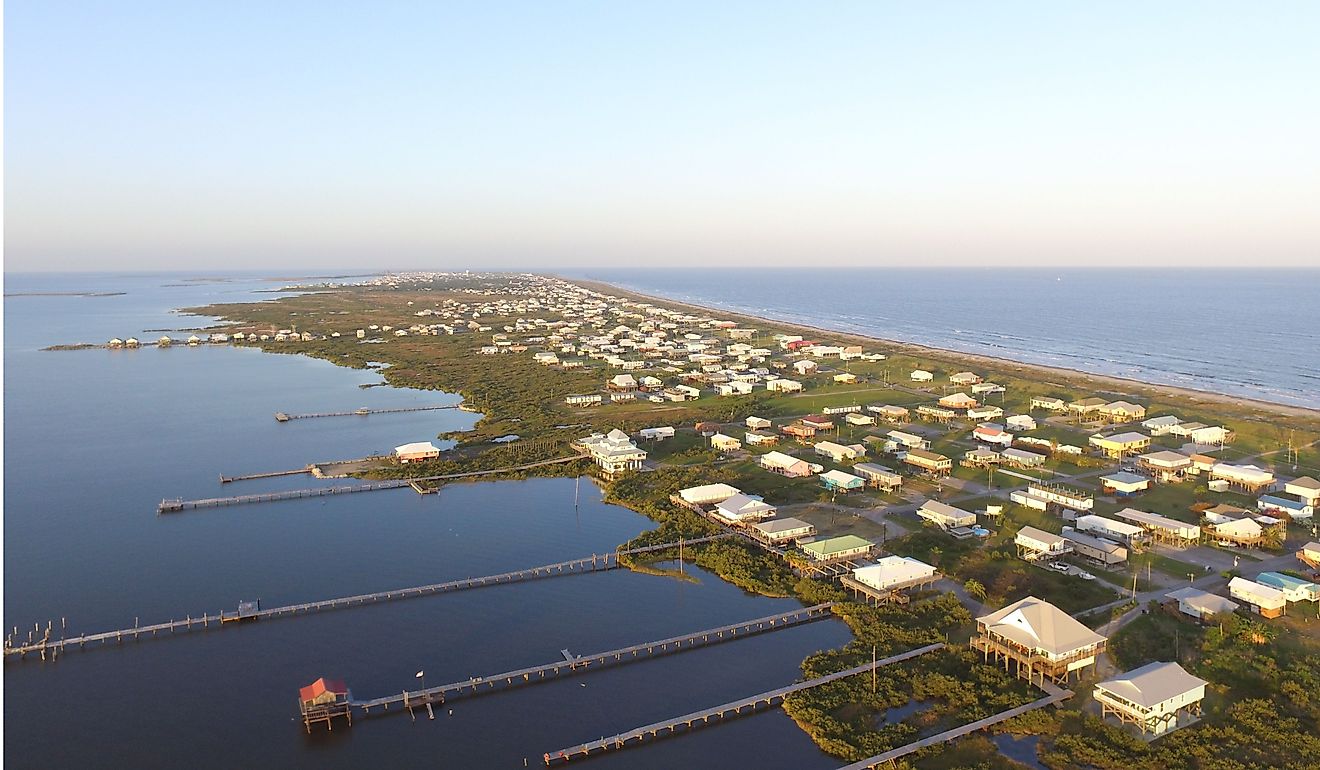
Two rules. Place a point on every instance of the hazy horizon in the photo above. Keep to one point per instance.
(155, 136)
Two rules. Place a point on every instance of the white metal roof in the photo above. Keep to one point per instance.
(1152, 684)
(1159, 522)
(1203, 600)
(891, 570)
(1109, 525)
(708, 493)
(1037, 624)
(1048, 539)
(781, 525)
(779, 459)
(1245, 473)
(1251, 591)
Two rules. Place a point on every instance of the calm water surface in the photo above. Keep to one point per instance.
(93, 441)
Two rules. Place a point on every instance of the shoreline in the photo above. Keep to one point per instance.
(1021, 367)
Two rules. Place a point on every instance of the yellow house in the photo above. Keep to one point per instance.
(725, 443)
(1121, 445)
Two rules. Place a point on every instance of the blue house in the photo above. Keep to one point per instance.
(838, 481)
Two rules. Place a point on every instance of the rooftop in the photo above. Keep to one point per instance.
(832, 545)
(781, 525)
(1037, 624)
(1152, 684)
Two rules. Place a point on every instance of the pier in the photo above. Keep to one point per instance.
(44, 645)
(179, 504)
(580, 664)
(743, 706)
(1055, 695)
(267, 475)
(363, 412)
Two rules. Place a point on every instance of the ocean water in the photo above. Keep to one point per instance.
(1236, 332)
(95, 439)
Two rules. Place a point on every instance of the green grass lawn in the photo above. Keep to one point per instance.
(1172, 500)
(1059, 434)
(682, 441)
(776, 489)
(842, 395)
(832, 523)
(1155, 636)
(1018, 516)
(1166, 564)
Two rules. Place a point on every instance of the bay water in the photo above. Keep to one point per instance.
(94, 439)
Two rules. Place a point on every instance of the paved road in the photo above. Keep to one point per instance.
(1211, 582)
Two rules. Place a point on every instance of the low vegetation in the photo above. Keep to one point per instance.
(1264, 711)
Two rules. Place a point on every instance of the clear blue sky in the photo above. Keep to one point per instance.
(334, 134)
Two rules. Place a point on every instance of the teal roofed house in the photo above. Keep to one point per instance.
(842, 547)
(841, 482)
(1294, 589)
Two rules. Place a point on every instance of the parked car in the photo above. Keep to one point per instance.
(1085, 575)
(1059, 567)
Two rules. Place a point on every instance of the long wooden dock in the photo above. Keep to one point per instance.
(44, 645)
(696, 719)
(580, 664)
(1054, 695)
(267, 475)
(179, 504)
(363, 412)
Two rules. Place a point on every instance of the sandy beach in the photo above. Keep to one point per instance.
(1075, 378)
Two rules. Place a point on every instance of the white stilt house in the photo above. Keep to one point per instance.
(1152, 697)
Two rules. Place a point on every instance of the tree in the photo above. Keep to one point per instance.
(975, 590)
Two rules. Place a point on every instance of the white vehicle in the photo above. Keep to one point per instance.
(1085, 576)
(1059, 566)
(1225, 544)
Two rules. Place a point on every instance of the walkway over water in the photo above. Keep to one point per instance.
(593, 563)
(637, 736)
(363, 412)
(583, 663)
(1054, 695)
(179, 504)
